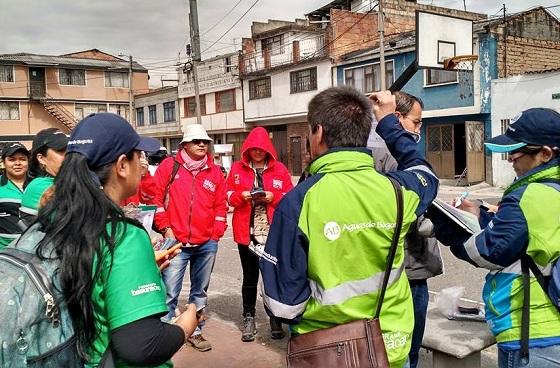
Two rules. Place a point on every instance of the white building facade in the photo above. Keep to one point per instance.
(512, 95)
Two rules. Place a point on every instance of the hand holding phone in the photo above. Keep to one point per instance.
(258, 193)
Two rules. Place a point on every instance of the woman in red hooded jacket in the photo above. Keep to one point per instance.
(255, 186)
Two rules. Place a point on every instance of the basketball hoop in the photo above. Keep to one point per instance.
(464, 65)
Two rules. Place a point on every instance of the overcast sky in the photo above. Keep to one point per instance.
(154, 32)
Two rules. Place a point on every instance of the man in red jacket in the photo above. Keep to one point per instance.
(191, 200)
(255, 186)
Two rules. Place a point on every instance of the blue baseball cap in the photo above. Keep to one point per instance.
(103, 137)
(536, 127)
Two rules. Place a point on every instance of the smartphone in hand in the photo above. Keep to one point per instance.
(258, 193)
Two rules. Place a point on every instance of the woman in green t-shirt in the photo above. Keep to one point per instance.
(108, 273)
(47, 153)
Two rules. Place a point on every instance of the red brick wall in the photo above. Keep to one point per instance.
(525, 55)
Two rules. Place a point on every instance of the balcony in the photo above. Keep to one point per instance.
(287, 54)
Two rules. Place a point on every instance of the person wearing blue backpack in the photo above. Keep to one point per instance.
(107, 275)
(524, 230)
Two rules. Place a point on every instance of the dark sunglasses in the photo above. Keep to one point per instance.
(199, 141)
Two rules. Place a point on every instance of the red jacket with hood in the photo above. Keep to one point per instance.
(197, 208)
(276, 179)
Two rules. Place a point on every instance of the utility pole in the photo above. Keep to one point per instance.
(195, 41)
(130, 96)
(505, 41)
(381, 27)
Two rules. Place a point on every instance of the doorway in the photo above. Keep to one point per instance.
(37, 87)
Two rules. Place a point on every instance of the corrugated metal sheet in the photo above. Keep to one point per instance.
(49, 60)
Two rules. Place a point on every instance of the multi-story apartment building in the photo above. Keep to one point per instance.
(221, 99)
(42, 91)
(283, 65)
(157, 115)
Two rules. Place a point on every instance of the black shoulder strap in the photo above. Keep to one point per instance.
(536, 271)
(394, 244)
(176, 166)
(524, 353)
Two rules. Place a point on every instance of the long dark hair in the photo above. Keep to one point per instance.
(35, 170)
(75, 226)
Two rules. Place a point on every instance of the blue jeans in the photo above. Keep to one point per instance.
(538, 358)
(202, 263)
(420, 296)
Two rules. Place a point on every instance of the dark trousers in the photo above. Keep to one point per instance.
(420, 296)
(250, 266)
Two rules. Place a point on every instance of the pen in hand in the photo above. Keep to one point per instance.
(460, 200)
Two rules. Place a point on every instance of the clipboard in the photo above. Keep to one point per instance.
(466, 221)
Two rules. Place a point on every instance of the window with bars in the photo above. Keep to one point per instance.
(140, 116)
(504, 125)
(273, 44)
(6, 73)
(190, 106)
(436, 76)
(72, 77)
(152, 116)
(367, 78)
(169, 111)
(259, 88)
(121, 110)
(303, 80)
(116, 79)
(9, 110)
(225, 101)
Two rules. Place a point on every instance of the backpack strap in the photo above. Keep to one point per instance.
(543, 282)
(394, 244)
(176, 166)
(525, 312)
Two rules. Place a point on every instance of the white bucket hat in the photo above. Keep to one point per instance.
(195, 131)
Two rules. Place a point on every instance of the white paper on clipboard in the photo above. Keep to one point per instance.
(466, 220)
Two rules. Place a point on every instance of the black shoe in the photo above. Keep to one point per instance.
(276, 331)
(249, 328)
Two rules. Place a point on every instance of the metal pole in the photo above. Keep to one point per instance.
(195, 41)
(130, 96)
(505, 42)
(381, 27)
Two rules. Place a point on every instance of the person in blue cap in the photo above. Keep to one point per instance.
(527, 222)
(108, 273)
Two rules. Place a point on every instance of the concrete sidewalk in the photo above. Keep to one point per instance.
(228, 350)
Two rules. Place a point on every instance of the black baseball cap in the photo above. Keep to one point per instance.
(103, 137)
(11, 148)
(51, 138)
(535, 127)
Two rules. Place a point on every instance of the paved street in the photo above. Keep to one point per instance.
(225, 304)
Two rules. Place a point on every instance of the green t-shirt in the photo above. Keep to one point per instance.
(131, 290)
(10, 200)
(33, 193)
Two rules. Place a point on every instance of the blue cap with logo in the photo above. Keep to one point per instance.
(535, 127)
(103, 137)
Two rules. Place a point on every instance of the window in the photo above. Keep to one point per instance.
(72, 77)
(152, 117)
(225, 101)
(436, 76)
(169, 111)
(504, 124)
(83, 110)
(190, 106)
(116, 79)
(227, 66)
(274, 44)
(140, 116)
(9, 110)
(121, 110)
(259, 88)
(367, 78)
(6, 73)
(303, 80)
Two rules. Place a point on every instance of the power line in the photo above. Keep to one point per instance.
(224, 17)
(233, 25)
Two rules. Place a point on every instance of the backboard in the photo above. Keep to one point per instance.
(439, 37)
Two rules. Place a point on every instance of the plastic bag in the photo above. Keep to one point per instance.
(447, 301)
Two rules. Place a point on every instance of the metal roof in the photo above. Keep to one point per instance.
(50, 60)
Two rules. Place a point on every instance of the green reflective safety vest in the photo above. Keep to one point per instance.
(350, 236)
(10, 201)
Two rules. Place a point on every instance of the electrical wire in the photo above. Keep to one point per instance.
(224, 17)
